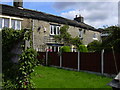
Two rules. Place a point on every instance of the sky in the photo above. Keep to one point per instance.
(97, 14)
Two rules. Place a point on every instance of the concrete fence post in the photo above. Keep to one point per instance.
(60, 60)
(78, 61)
(46, 58)
(102, 61)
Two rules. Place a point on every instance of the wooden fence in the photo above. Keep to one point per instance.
(104, 63)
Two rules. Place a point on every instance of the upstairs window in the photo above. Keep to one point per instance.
(95, 36)
(10, 23)
(13, 24)
(54, 30)
(6, 22)
(80, 33)
(16, 24)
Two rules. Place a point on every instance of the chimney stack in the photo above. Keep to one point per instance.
(79, 19)
(18, 3)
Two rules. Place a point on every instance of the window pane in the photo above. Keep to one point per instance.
(13, 24)
(80, 34)
(18, 25)
(50, 29)
(56, 49)
(55, 30)
(6, 22)
(94, 36)
(52, 48)
(58, 30)
(0, 23)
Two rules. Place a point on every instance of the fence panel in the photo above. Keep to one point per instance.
(109, 63)
(42, 57)
(53, 59)
(70, 60)
(90, 61)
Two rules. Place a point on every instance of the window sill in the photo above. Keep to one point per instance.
(95, 39)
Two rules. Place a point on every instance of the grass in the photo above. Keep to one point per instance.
(49, 77)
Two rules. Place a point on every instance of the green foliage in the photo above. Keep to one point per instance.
(26, 65)
(76, 41)
(67, 79)
(82, 48)
(65, 49)
(64, 35)
(94, 46)
(66, 38)
(113, 40)
(9, 38)
(17, 75)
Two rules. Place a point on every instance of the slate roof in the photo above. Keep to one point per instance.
(27, 13)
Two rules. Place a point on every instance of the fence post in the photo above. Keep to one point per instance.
(102, 61)
(46, 58)
(78, 61)
(61, 60)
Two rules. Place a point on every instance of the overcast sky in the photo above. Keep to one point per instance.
(97, 14)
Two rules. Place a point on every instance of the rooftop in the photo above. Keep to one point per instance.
(27, 13)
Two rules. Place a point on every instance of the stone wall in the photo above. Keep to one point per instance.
(88, 36)
(41, 31)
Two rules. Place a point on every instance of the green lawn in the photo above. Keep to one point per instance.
(49, 77)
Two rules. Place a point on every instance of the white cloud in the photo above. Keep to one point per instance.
(95, 14)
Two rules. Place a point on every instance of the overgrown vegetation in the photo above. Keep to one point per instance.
(17, 75)
(94, 46)
(65, 49)
(113, 40)
(67, 38)
(82, 48)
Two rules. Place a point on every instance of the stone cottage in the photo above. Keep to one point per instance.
(45, 26)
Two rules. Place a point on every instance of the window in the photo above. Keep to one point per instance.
(95, 36)
(10, 23)
(53, 48)
(54, 30)
(13, 24)
(80, 33)
(16, 24)
(0, 23)
(6, 22)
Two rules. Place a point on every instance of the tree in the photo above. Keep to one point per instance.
(113, 40)
(94, 46)
(82, 48)
(65, 49)
(67, 38)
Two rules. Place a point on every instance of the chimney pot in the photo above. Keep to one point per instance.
(18, 3)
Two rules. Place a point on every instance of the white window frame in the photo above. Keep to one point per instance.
(95, 36)
(52, 29)
(81, 33)
(10, 18)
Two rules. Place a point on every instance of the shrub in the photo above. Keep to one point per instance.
(94, 46)
(82, 48)
(65, 49)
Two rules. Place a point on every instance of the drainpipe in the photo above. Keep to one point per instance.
(33, 33)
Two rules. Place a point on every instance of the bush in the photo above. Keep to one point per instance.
(94, 46)
(65, 49)
(82, 48)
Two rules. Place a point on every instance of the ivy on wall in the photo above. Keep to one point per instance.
(17, 75)
(66, 38)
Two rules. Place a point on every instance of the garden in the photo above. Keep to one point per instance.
(50, 77)
(28, 72)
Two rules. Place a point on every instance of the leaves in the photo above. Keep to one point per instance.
(66, 38)
(16, 75)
